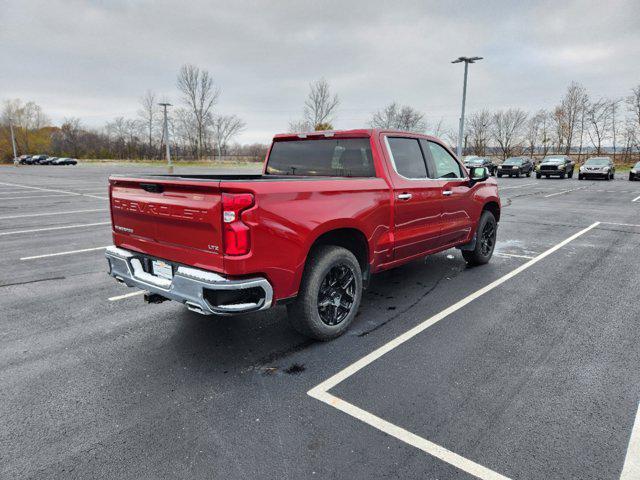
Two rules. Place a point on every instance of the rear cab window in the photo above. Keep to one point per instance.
(327, 157)
(407, 157)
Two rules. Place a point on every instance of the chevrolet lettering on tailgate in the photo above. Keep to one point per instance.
(169, 211)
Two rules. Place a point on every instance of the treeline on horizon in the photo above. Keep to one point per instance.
(579, 124)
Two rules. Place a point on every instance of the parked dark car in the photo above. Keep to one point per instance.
(597, 167)
(48, 161)
(473, 161)
(36, 159)
(65, 161)
(634, 174)
(556, 165)
(23, 159)
(516, 166)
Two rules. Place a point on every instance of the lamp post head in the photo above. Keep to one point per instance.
(165, 104)
(466, 59)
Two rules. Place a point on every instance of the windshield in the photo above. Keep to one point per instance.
(597, 161)
(553, 160)
(513, 161)
(637, 165)
(476, 161)
(348, 157)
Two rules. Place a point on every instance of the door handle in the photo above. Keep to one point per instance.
(447, 192)
(405, 196)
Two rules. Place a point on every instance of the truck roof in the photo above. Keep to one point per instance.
(358, 132)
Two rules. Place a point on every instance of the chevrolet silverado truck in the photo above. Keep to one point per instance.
(329, 210)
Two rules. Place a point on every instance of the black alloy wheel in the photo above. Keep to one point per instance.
(487, 238)
(336, 295)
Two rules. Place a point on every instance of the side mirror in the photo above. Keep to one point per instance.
(478, 174)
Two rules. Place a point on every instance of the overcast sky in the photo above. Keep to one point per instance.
(94, 59)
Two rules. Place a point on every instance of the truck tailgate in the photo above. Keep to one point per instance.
(179, 219)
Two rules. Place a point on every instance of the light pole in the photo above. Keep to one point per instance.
(13, 142)
(467, 61)
(166, 136)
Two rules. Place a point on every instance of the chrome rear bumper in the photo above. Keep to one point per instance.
(197, 289)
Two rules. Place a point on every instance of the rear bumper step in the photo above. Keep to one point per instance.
(202, 291)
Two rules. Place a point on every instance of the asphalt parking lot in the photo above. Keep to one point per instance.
(525, 368)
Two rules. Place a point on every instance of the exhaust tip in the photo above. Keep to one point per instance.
(194, 307)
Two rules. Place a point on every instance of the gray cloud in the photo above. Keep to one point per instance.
(94, 59)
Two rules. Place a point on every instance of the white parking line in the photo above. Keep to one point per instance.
(636, 199)
(52, 190)
(320, 392)
(79, 225)
(70, 252)
(67, 212)
(501, 254)
(18, 197)
(621, 224)
(631, 468)
(564, 191)
(127, 295)
(516, 186)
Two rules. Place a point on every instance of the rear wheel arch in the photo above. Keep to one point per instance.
(352, 239)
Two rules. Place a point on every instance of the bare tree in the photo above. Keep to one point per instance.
(633, 104)
(534, 129)
(559, 128)
(545, 132)
(320, 106)
(149, 115)
(225, 127)
(438, 129)
(26, 118)
(614, 124)
(200, 95)
(300, 126)
(71, 130)
(599, 116)
(478, 127)
(507, 130)
(400, 118)
(572, 106)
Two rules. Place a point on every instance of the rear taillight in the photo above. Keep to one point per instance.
(237, 236)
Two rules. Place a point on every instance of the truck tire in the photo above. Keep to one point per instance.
(330, 294)
(485, 241)
(538, 175)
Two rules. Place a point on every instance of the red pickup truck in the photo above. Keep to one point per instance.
(329, 210)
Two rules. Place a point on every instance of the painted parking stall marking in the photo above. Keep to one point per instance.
(54, 190)
(67, 212)
(58, 254)
(64, 227)
(320, 392)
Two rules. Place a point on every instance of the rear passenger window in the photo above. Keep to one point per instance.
(445, 165)
(407, 157)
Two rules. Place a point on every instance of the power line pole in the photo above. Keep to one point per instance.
(166, 136)
(467, 61)
(13, 142)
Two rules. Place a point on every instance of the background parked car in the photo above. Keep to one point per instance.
(65, 161)
(36, 159)
(634, 174)
(600, 167)
(23, 159)
(48, 160)
(556, 165)
(516, 166)
(473, 161)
